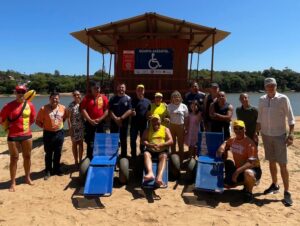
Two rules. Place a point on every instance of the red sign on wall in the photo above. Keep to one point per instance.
(128, 60)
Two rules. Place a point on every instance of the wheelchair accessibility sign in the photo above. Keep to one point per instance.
(153, 61)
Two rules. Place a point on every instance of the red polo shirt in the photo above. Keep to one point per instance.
(95, 107)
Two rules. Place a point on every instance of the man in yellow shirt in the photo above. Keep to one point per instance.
(157, 139)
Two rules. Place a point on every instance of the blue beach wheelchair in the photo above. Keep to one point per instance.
(209, 168)
(100, 173)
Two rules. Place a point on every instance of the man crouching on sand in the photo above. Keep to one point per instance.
(157, 139)
(246, 167)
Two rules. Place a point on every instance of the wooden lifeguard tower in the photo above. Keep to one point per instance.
(151, 49)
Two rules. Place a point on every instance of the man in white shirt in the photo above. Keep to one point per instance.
(273, 110)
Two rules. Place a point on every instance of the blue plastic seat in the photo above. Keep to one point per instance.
(101, 170)
(210, 169)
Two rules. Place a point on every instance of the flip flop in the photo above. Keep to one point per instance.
(160, 184)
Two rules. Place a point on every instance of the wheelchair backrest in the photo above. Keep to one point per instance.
(106, 144)
(209, 142)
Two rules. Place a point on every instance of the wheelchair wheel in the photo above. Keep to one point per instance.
(175, 166)
(124, 170)
(84, 165)
(191, 170)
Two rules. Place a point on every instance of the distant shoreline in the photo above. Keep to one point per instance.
(38, 95)
(70, 94)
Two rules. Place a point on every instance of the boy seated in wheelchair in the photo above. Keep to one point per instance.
(157, 140)
(245, 169)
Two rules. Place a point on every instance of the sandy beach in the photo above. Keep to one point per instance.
(58, 201)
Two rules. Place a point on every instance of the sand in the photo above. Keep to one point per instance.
(58, 201)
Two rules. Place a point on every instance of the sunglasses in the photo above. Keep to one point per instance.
(238, 128)
(21, 91)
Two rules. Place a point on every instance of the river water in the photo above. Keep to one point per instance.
(232, 98)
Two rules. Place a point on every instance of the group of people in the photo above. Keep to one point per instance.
(159, 126)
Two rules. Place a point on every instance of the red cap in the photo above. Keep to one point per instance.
(21, 87)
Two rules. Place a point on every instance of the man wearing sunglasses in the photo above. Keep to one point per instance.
(245, 169)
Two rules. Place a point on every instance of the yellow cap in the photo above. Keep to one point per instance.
(140, 86)
(239, 123)
(155, 116)
(158, 94)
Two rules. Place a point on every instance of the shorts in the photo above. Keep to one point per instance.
(19, 138)
(230, 169)
(275, 148)
(155, 155)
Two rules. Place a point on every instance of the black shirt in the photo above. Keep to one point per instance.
(119, 104)
(141, 108)
(190, 97)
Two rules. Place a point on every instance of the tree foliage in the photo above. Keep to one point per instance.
(240, 81)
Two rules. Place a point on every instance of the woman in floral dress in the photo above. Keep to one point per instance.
(75, 122)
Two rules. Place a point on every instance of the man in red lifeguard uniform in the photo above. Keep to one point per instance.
(94, 108)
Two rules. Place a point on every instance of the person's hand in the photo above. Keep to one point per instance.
(98, 120)
(255, 138)
(167, 120)
(157, 147)
(119, 121)
(289, 140)
(235, 176)
(93, 122)
(133, 112)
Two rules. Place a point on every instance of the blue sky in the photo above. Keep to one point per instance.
(35, 35)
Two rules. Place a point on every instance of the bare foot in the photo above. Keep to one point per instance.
(159, 182)
(148, 177)
(29, 181)
(12, 188)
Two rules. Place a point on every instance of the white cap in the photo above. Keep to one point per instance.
(270, 81)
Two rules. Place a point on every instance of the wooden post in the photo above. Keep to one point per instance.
(88, 64)
(190, 72)
(212, 57)
(198, 63)
(102, 79)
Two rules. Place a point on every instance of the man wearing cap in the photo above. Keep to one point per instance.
(94, 108)
(140, 106)
(211, 97)
(17, 116)
(120, 109)
(248, 114)
(245, 169)
(274, 110)
(159, 107)
(157, 139)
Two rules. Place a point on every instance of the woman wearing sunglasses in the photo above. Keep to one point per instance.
(18, 116)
